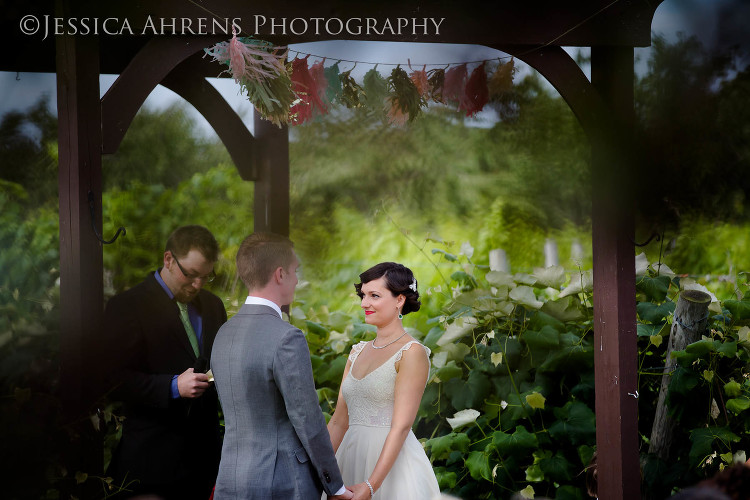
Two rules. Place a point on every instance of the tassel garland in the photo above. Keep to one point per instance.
(285, 92)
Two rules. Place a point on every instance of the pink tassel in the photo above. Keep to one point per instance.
(396, 115)
(236, 57)
(318, 74)
(454, 88)
(249, 62)
(476, 94)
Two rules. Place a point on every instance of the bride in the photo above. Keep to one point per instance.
(383, 383)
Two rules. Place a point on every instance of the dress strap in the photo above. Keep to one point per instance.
(408, 345)
(356, 349)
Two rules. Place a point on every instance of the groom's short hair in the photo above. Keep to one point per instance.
(259, 255)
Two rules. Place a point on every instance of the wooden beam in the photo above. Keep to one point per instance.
(271, 203)
(616, 350)
(563, 73)
(142, 74)
(230, 128)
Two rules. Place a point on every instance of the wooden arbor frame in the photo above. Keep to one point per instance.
(533, 31)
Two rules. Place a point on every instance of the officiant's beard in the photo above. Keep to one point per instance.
(186, 294)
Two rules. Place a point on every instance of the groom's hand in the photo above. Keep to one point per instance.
(346, 495)
(191, 384)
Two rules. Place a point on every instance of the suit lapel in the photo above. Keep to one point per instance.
(170, 314)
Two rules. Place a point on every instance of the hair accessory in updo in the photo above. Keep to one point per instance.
(413, 285)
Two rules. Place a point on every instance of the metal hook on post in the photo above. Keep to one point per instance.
(93, 223)
(653, 235)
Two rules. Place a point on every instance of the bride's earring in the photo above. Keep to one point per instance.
(400, 316)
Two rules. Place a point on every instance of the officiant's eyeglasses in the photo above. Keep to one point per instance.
(208, 278)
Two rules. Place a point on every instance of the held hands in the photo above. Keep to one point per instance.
(191, 384)
(361, 491)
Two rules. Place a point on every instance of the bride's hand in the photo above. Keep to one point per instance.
(361, 491)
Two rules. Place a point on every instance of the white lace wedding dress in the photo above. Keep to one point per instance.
(370, 402)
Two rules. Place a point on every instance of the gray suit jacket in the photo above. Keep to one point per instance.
(276, 445)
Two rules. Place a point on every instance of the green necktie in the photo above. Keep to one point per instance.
(189, 328)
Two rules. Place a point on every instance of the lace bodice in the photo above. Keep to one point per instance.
(370, 399)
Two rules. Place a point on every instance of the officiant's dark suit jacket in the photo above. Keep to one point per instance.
(170, 446)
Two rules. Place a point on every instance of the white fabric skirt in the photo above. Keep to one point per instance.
(410, 478)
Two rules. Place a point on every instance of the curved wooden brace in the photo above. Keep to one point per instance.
(569, 80)
(145, 71)
(230, 128)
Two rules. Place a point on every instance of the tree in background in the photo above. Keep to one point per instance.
(692, 122)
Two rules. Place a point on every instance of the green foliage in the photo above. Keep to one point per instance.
(217, 199)
(530, 378)
(160, 148)
(28, 152)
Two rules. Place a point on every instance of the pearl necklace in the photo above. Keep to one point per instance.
(389, 343)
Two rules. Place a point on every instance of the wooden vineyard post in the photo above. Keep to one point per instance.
(690, 319)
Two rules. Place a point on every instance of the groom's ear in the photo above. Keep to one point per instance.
(278, 275)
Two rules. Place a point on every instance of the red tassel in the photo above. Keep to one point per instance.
(306, 89)
(477, 94)
(454, 87)
(301, 110)
(318, 74)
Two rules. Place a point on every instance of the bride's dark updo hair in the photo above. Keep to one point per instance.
(398, 279)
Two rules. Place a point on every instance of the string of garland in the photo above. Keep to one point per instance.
(294, 92)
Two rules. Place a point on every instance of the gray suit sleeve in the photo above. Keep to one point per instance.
(293, 374)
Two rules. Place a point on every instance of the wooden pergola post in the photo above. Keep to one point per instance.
(615, 346)
(79, 178)
(271, 202)
(81, 266)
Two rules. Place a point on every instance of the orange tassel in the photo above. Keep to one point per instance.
(421, 82)
(476, 94)
(454, 87)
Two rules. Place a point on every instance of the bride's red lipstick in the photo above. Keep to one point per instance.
(369, 312)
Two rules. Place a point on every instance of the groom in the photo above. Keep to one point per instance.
(276, 445)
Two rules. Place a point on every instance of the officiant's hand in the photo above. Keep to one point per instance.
(191, 384)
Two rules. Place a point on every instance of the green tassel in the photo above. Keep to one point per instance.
(436, 78)
(333, 91)
(404, 96)
(352, 94)
(376, 91)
